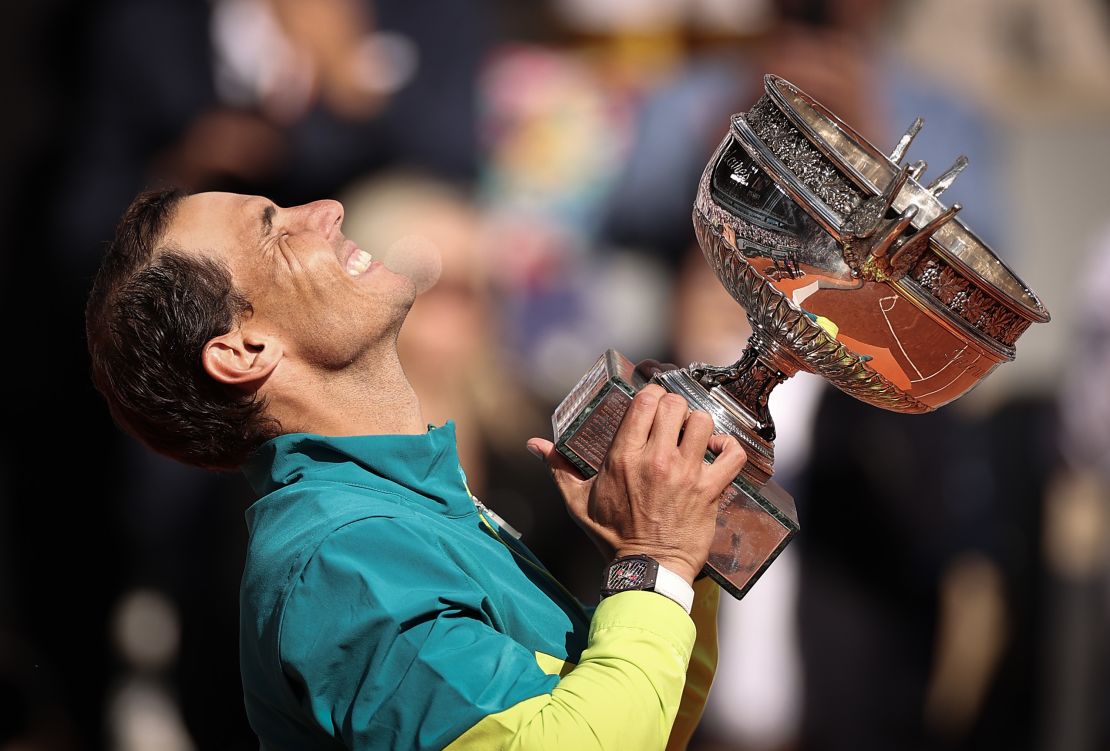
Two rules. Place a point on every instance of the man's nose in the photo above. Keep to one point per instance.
(323, 216)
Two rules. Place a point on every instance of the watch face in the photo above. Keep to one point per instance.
(629, 574)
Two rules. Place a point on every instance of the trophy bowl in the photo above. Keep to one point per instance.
(848, 267)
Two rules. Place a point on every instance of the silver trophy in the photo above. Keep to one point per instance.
(848, 267)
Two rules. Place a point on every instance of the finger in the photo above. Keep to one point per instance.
(669, 419)
(695, 436)
(647, 368)
(730, 460)
(635, 427)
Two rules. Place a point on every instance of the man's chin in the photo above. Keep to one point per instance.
(411, 292)
(405, 302)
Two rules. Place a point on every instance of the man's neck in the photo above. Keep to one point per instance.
(375, 400)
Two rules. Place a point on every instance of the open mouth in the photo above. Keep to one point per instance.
(358, 260)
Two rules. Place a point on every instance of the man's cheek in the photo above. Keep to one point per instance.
(315, 259)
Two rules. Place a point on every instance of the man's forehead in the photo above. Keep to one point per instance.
(216, 222)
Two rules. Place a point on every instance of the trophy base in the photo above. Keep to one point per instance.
(756, 518)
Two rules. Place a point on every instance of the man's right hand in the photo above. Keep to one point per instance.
(654, 494)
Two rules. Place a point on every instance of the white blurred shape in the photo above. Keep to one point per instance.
(143, 717)
(146, 629)
(622, 15)
(1085, 396)
(733, 16)
(628, 303)
(255, 64)
(640, 16)
(757, 693)
(793, 406)
(418, 258)
(387, 62)
(561, 357)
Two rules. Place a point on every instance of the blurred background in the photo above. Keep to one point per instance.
(949, 587)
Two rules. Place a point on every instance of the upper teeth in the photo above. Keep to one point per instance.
(358, 262)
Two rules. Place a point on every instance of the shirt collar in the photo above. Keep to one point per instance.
(425, 464)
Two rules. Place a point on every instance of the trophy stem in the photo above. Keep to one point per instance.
(750, 380)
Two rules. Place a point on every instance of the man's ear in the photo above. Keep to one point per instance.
(241, 358)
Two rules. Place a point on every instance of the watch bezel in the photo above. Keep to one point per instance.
(650, 576)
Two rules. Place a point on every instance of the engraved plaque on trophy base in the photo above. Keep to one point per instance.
(754, 524)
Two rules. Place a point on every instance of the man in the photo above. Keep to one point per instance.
(382, 606)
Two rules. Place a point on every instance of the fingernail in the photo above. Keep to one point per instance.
(534, 451)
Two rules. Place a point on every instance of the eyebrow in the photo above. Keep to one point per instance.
(268, 220)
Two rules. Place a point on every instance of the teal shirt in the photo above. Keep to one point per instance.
(378, 608)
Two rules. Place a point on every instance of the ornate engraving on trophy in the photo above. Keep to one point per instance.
(592, 439)
(973, 305)
(802, 157)
(586, 420)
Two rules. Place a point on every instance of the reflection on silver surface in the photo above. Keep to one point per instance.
(848, 268)
(854, 243)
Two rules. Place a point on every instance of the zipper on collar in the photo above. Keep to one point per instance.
(484, 509)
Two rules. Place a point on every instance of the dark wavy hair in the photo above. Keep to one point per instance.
(151, 310)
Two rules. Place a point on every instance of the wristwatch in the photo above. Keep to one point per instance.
(641, 572)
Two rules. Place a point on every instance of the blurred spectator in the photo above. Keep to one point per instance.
(904, 534)
(1075, 690)
(143, 713)
(149, 109)
(288, 98)
(1014, 55)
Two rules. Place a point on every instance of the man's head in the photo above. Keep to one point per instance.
(208, 306)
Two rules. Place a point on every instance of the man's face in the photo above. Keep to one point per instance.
(314, 290)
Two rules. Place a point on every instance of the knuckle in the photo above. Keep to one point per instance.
(616, 461)
(735, 446)
(647, 398)
(711, 496)
(673, 401)
(737, 459)
(658, 466)
(699, 419)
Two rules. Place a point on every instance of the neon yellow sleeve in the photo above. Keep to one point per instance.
(703, 664)
(623, 694)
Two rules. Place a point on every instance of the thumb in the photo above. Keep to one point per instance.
(540, 448)
(566, 474)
